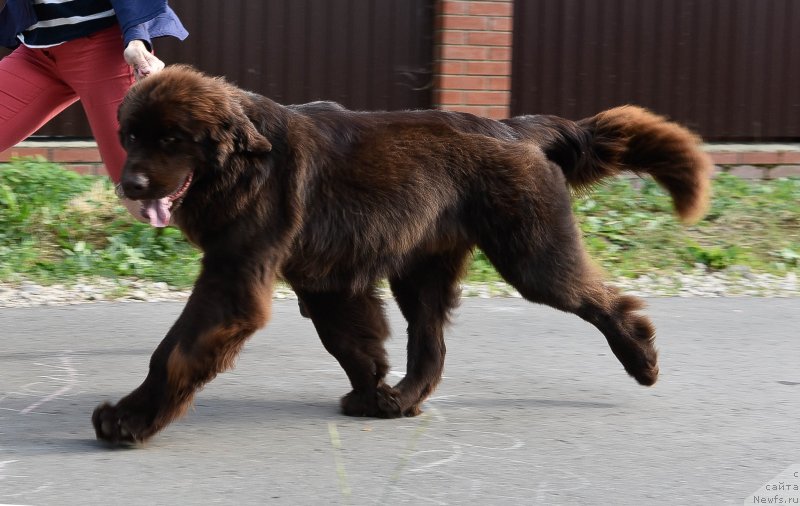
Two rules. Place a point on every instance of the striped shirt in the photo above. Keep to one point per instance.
(64, 20)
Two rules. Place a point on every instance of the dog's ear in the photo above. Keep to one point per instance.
(247, 139)
(237, 134)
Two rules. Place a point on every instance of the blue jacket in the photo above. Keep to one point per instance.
(139, 19)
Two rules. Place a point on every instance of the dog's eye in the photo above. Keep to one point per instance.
(131, 137)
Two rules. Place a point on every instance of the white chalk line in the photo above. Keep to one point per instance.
(505, 309)
(69, 379)
(514, 443)
(487, 447)
(336, 443)
(28, 492)
(3, 464)
(4, 476)
(455, 454)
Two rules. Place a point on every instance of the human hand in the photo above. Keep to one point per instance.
(143, 61)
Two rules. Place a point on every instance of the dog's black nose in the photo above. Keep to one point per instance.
(134, 185)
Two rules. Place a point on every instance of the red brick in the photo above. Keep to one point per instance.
(491, 8)
(499, 54)
(463, 23)
(19, 152)
(488, 68)
(783, 171)
(462, 82)
(759, 158)
(489, 38)
(473, 109)
(487, 98)
(451, 37)
(790, 157)
(498, 112)
(66, 155)
(446, 67)
(450, 52)
(724, 158)
(498, 83)
(747, 171)
(453, 7)
(501, 24)
(449, 97)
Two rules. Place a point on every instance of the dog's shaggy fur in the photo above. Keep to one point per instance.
(333, 201)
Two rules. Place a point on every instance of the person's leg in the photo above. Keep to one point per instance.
(30, 94)
(95, 68)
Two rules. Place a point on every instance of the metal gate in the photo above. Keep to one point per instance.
(730, 69)
(366, 54)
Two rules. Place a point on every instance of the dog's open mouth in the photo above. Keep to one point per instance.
(180, 192)
(159, 211)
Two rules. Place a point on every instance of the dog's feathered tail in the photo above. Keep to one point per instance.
(626, 138)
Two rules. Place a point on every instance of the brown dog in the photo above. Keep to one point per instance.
(333, 201)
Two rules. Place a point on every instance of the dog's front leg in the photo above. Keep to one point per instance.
(230, 301)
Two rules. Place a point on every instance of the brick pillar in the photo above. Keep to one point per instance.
(472, 56)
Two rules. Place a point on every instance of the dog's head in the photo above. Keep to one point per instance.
(177, 124)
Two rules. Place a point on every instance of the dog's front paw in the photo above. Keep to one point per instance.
(117, 425)
(384, 402)
(358, 404)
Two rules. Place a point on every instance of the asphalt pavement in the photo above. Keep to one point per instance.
(533, 409)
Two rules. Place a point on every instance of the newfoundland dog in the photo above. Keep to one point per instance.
(334, 201)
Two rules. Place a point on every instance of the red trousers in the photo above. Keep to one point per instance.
(37, 84)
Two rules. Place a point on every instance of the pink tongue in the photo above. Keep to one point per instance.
(157, 211)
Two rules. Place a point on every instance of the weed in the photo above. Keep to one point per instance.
(56, 225)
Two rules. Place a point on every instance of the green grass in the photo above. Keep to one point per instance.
(633, 231)
(56, 226)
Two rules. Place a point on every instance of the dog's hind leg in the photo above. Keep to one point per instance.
(426, 293)
(547, 264)
(353, 329)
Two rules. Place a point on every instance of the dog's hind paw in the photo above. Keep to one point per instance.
(388, 401)
(414, 410)
(646, 374)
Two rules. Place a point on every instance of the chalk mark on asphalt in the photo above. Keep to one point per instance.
(489, 446)
(4, 477)
(66, 376)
